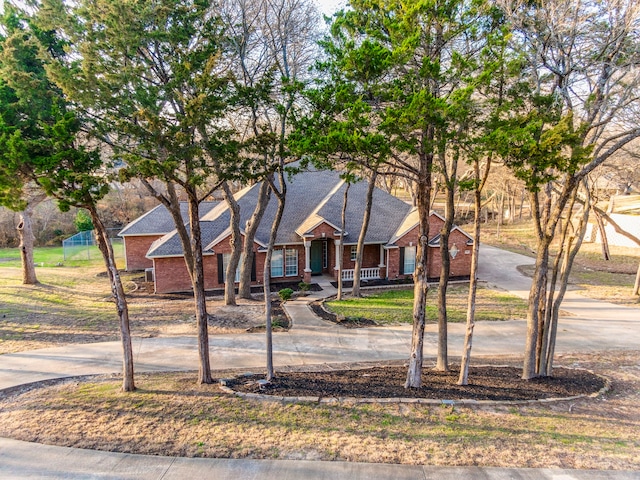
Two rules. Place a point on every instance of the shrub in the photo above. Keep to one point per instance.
(304, 286)
(285, 294)
(83, 221)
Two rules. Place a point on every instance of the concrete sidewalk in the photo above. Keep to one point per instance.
(593, 326)
(19, 460)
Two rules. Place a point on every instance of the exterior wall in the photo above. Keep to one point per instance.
(409, 239)
(135, 248)
(225, 247)
(370, 259)
(460, 266)
(325, 228)
(170, 275)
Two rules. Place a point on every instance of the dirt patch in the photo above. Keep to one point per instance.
(486, 383)
(50, 314)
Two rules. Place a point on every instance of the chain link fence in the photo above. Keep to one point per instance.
(82, 246)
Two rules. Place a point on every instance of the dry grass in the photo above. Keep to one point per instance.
(73, 305)
(170, 415)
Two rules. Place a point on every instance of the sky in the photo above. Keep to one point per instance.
(327, 7)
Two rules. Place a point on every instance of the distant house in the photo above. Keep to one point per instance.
(146, 229)
(308, 237)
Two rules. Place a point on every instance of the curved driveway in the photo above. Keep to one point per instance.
(591, 326)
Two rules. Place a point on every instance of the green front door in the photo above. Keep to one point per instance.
(316, 257)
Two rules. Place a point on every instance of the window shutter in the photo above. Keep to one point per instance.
(253, 267)
(401, 260)
(220, 268)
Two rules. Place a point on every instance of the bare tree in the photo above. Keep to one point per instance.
(355, 291)
(582, 57)
(480, 179)
(272, 44)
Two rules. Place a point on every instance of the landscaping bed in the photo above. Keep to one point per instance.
(495, 383)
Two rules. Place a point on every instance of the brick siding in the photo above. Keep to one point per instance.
(135, 248)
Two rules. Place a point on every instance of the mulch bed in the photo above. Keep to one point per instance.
(494, 383)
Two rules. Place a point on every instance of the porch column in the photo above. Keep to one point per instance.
(381, 266)
(336, 243)
(307, 261)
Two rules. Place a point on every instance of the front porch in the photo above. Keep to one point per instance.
(365, 274)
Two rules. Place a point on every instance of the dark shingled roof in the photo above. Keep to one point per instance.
(159, 221)
(308, 193)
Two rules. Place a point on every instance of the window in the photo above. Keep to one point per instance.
(291, 262)
(276, 264)
(225, 262)
(325, 254)
(409, 260)
(354, 252)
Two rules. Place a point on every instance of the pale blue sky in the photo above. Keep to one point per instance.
(327, 7)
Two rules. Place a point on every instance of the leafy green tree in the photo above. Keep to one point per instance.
(21, 132)
(419, 59)
(83, 221)
(155, 90)
(341, 131)
(43, 142)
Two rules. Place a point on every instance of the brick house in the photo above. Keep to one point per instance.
(308, 237)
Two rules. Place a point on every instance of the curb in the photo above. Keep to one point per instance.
(425, 401)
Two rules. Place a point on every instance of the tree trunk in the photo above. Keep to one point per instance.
(473, 276)
(281, 195)
(636, 286)
(363, 233)
(536, 297)
(25, 233)
(564, 281)
(199, 296)
(606, 255)
(244, 289)
(236, 246)
(545, 222)
(341, 242)
(34, 196)
(420, 275)
(562, 258)
(191, 242)
(442, 360)
(117, 290)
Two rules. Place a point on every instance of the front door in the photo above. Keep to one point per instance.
(316, 257)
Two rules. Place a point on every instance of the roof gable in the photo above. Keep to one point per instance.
(159, 220)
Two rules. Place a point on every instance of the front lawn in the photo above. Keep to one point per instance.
(80, 256)
(396, 306)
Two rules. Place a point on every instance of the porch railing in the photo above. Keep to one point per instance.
(365, 274)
